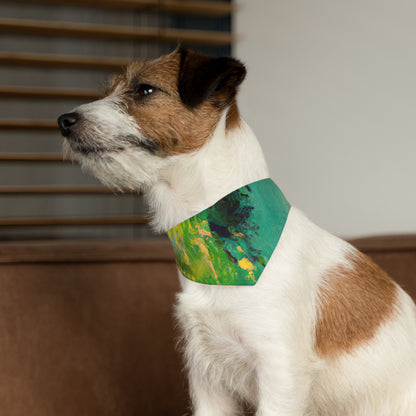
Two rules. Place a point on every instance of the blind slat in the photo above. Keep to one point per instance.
(49, 93)
(202, 8)
(77, 30)
(21, 124)
(32, 157)
(55, 221)
(59, 190)
(56, 61)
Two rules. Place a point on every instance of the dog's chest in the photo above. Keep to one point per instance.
(214, 343)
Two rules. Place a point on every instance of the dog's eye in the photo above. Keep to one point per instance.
(144, 90)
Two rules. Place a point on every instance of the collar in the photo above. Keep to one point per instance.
(231, 242)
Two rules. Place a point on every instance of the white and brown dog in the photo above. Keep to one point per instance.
(324, 331)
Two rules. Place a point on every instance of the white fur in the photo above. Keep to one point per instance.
(173, 198)
(257, 343)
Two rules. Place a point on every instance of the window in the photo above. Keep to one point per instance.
(55, 55)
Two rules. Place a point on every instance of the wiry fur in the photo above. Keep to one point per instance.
(258, 344)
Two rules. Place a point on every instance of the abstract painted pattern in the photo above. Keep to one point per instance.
(231, 242)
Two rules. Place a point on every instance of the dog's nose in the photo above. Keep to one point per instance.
(66, 121)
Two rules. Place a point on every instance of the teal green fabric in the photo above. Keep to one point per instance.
(231, 242)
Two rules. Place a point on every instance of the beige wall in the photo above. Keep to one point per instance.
(331, 95)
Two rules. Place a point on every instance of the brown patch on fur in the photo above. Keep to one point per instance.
(233, 116)
(162, 117)
(114, 82)
(168, 124)
(354, 302)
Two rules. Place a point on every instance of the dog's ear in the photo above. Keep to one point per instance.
(202, 77)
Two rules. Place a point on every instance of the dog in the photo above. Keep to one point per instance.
(321, 330)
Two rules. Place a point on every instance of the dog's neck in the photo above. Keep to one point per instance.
(191, 183)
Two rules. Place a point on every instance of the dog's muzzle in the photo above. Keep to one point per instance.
(66, 123)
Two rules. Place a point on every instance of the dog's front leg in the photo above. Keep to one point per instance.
(283, 383)
(210, 399)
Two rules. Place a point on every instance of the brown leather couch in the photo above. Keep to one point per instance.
(86, 328)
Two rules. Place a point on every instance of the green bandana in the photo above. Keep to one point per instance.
(231, 242)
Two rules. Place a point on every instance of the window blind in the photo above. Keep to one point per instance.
(55, 55)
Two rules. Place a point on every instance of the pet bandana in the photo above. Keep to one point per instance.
(231, 242)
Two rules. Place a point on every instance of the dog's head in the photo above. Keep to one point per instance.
(154, 111)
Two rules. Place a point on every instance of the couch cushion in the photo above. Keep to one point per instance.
(87, 329)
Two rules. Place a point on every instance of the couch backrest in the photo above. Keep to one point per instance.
(396, 254)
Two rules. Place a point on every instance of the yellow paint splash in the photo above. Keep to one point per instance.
(246, 264)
